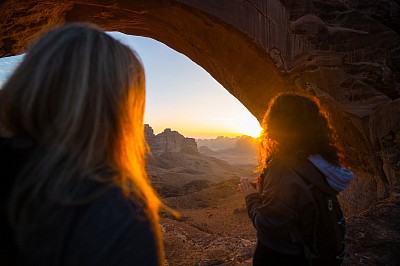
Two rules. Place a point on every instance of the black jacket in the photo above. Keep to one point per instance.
(281, 205)
(109, 230)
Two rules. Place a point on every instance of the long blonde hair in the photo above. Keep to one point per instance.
(79, 96)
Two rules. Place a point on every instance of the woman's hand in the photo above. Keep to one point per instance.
(246, 187)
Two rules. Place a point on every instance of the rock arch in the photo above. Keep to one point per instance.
(346, 53)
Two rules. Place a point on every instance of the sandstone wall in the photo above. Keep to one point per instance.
(169, 141)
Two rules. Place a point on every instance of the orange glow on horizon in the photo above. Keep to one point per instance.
(244, 125)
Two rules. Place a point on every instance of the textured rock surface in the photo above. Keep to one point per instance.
(169, 141)
(345, 52)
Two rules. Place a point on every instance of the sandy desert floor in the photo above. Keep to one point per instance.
(215, 230)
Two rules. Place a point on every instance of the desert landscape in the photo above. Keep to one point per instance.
(201, 184)
(214, 229)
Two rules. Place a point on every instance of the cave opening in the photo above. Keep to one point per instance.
(183, 96)
(198, 133)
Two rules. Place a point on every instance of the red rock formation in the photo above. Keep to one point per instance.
(344, 52)
(169, 141)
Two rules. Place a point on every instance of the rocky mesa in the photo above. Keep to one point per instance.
(176, 167)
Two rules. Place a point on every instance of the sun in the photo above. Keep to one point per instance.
(248, 125)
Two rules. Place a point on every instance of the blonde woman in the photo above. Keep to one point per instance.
(74, 189)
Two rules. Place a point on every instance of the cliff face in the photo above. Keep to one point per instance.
(169, 141)
(344, 52)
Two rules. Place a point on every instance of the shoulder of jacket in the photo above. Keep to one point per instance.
(278, 175)
(286, 175)
(277, 166)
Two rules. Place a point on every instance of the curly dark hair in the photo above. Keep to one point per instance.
(296, 124)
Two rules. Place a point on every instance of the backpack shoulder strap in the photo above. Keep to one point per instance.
(309, 173)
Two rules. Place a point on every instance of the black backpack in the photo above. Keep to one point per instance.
(328, 240)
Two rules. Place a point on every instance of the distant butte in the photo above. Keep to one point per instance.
(169, 141)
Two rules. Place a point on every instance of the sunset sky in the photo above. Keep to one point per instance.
(180, 94)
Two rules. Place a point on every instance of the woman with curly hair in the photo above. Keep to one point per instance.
(74, 189)
(297, 138)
